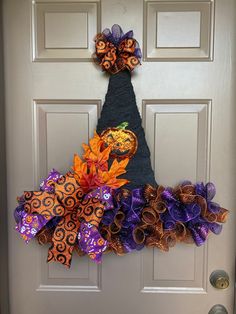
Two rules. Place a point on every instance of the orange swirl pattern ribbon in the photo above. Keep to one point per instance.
(68, 203)
(115, 51)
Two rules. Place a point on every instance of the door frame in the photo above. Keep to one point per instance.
(4, 273)
(4, 291)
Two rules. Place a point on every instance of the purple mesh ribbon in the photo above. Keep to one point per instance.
(91, 242)
(109, 215)
(177, 210)
(200, 229)
(208, 191)
(116, 35)
(190, 213)
(132, 207)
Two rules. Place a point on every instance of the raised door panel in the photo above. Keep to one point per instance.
(64, 31)
(178, 30)
(178, 133)
(60, 128)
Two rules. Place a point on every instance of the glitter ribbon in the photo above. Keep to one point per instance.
(186, 212)
(130, 204)
(116, 51)
(64, 207)
(116, 220)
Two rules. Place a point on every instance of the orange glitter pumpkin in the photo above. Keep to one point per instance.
(123, 142)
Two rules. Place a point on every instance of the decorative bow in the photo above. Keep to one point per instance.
(116, 51)
(66, 201)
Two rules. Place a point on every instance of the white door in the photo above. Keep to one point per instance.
(185, 93)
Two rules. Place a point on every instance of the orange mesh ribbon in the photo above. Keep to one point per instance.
(116, 55)
(164, 205)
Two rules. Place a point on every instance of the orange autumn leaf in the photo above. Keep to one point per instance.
(109, 177)
(87, 177)
(89, 181)
(79, 166)
(118, 168)
(94, 155)
(115, 183)
(94, 146)
(93, 171)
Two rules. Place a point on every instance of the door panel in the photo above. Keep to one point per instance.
(57, 124)
(187, 140)
(53, 99)
(178, 30)
(64, 30)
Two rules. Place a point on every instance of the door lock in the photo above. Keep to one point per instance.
(218, 309)
(219, 279)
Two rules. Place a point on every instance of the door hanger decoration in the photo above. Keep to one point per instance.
(109, 201)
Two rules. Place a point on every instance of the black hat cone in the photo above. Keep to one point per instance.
(120, 106)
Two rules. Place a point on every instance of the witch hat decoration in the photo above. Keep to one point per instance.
(123, 53)
(109, 201)
(119, 113)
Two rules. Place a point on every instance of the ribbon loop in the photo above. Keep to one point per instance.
(63, 240)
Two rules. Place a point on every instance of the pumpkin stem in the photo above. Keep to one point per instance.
(123, 125)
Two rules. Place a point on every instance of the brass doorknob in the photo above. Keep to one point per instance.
(218, 309)
(219, 279)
